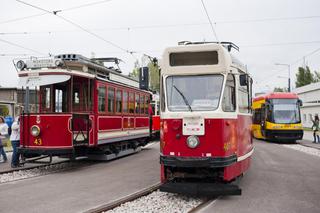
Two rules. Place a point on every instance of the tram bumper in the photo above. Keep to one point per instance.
(29, 152)
(201, 189)
(285, 134)
(208, 162)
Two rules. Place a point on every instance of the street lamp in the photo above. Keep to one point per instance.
(288, 65)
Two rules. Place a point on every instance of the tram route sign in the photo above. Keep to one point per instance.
(193, 126)
(40, 63)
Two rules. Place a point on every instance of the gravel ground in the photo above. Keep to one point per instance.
(308, 150)
(23, 174)
(159, 202)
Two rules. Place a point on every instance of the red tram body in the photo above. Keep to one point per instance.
(155, 104)
(85, 109)
(205, 137)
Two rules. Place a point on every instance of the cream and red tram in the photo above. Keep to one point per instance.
(83, 109)
(205, 138)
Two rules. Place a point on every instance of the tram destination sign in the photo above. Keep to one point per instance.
(41, 63)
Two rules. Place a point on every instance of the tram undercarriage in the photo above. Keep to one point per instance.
(198, 182)
(102, 152)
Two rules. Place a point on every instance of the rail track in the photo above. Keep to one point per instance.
(139, 194)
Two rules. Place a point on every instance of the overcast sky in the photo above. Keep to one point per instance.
(267, 32)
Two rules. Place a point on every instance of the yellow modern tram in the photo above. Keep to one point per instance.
(276, 116)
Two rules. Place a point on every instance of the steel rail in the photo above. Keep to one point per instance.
(115, 203)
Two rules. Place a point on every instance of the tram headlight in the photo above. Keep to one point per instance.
(35, 130)
(193, 141)
(21, 65)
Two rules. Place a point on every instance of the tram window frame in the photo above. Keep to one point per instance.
(162, 96)
(142, 103)
(45, 95)
(256, 118)
(230, 91)
(118, 101)
(111, 101)
(125, 102)
(244, 97)
(131, 107)
(137, 104)
(58, 100)
(102, 98)
(146, 107)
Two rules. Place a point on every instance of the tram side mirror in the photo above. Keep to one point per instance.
(300, 102)
(144, 78)
(243, 79)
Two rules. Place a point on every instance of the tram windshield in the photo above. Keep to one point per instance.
(74, 95)
(193, 93)
(286, 111)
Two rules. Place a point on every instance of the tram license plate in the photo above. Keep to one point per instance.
(193, 126)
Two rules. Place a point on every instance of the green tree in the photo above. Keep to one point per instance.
(304, 77)
(316, 76)
(154, 76)
(4, 111)
(135, 71)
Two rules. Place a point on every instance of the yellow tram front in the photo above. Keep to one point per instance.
(276, 116)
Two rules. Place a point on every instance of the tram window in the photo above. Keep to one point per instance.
(244, 98)
(193, 93)
(146, 106)
(119, 101)
(194, 58)
(45, 98)
(142, 104)
(125, 102)
(102, 99)
(131, 102)
(257, 116)
(229, 96)
(137, 104)
(58, 100)
(76, 99)
(111, 99)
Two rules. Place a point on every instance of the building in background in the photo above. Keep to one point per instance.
(12, 101)
(310, 96)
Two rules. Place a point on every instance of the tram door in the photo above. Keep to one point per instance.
(81, 109)
(263, 120)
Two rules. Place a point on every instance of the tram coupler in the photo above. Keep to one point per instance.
(201, 189)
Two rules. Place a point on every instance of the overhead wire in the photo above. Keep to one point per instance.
(62, 10)
(77, 25)
(20, 46)
(212, 28)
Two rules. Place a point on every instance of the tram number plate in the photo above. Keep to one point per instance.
(193, 126)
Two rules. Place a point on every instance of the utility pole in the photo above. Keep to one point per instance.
(289, 80)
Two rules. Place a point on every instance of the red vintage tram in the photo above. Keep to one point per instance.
(205, 136)
(85, 109)
(155, 104)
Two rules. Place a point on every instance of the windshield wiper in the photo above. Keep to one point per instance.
(183, 97)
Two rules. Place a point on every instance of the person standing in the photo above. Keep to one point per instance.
(315, 129)
(3, 132)
(15, 142)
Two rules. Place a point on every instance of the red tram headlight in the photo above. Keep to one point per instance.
(193, 141)
(35, 130)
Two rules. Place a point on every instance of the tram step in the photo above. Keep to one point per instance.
(201, 189)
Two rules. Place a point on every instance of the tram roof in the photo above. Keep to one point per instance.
(43, 71)
(276, 95)
(207, 58)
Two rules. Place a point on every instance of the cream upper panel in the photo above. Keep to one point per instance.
(224, 60)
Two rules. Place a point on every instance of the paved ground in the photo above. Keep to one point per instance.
(84, 188)
(279, 180)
